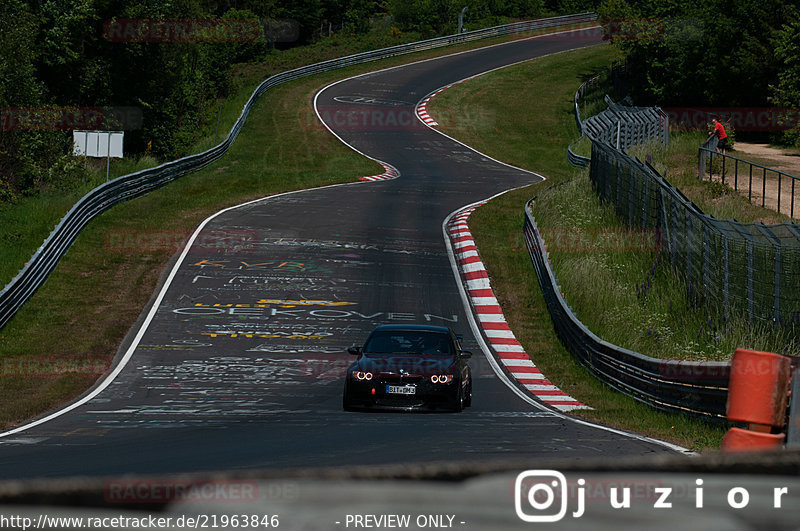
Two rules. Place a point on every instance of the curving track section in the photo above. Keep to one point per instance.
(238, 363)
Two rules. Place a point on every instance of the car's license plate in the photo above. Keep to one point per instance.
(401, 389)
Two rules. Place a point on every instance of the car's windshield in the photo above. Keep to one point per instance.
(408, 341)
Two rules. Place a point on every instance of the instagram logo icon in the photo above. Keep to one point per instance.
(540, 496)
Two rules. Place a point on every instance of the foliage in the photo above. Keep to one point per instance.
(431, 17)
(64, 57)
(786, 91)
(697, 54)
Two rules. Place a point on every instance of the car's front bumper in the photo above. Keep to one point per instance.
(427, 395)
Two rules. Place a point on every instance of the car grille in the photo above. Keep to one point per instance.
(396, 379)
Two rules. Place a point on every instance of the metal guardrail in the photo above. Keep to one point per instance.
(706, 155)
(579, 161)
(44, 260)
(696, 388)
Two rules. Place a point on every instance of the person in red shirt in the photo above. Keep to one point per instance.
(722, 136)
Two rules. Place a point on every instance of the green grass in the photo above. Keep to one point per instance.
(80, 316)
(534, 135)
(634, 299)
(719, 200)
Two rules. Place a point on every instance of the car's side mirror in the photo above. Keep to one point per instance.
(354, 350)
(466, 354)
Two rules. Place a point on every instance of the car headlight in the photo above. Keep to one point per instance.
(442, 378)
(358, 375)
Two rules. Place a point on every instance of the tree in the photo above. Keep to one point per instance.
(786, 91)
(699, 54)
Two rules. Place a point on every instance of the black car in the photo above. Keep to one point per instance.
(409, 367)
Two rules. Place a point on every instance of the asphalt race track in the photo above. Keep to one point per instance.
(240, 363)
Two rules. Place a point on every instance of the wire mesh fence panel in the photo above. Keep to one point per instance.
(732, 266)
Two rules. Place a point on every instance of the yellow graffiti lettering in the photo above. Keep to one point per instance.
(212, 263)
(299, 265)
(266, 335)
(291, 303)
(259, 264)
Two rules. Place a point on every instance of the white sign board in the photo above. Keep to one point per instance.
(98, 143)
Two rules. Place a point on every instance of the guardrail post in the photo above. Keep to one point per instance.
(776, 262)
(711, 166)
(706, 262)
(701, 162)
(675, 225)
(618, 184)
(726, 264)
(646, 202)
(631, 195)
(688, 237)
(724, 157)
(750, 287)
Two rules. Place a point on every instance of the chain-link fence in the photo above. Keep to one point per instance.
(734, 266)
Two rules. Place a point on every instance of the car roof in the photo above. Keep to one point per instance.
(413, 327)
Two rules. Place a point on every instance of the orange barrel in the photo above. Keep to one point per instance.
(758, 391)
(739, 440)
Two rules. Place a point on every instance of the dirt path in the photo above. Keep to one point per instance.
(785, 160)
(762, 187)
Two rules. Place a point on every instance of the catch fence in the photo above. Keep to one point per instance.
(726, 264)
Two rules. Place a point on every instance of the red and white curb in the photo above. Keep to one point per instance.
(422, 107)
(422, 111)
(490, 317)
(389, 174)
